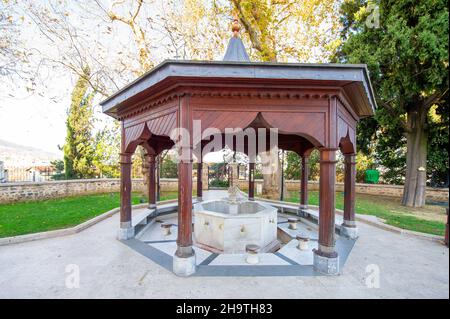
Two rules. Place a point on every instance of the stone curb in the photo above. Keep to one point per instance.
(367, 219)
(68, 231)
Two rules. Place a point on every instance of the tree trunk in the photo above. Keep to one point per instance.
(416, 159)
(271, 174)
(144, 169)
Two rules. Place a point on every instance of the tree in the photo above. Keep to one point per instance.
(78, 149)
(59, 169)
(293, 165)
(408, 59)
(133, 23)
(438, 157)
(195, 29)
(15, 57)
(106, 151)
(281, 30)
(169, 168)
(97, 34)
(286, 30)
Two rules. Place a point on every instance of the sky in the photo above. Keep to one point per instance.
(34, 120)
(37, 118)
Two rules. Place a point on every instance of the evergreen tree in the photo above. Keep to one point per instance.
(107, 149)
(407, 54)
(78, 149)
(169, 168)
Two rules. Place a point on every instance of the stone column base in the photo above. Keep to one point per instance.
(199, 199)
(326, 265)
(349, 232)
(125, 233)
(152, 206)
(184, 266)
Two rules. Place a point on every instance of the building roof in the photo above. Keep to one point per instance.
(353, 78)
(236, 51)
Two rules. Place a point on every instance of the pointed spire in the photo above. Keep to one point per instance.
(236, 49)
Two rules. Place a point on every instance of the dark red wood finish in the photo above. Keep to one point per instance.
(184, 119)
(349, 190)
(327, 202)
(151, 180)
(306, 117)
(199, 180)
(251, 180)
(125, 190)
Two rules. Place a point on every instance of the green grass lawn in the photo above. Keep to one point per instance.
(38, 216)
(430, 219)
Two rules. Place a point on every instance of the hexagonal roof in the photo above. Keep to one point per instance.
(353, 78)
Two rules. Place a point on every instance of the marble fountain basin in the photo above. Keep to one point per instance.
(224, 226)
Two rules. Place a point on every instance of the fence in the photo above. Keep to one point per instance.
(28, 174)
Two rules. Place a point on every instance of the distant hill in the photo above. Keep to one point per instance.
(15, 155)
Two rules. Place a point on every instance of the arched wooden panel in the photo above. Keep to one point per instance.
(346, 136)
(309, 125)
(133, 133)
(162, 125)
(222, 120)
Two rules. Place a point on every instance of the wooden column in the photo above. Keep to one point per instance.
(304, 182)
(184, 205)
(251, 181)
(327, 203)
(184, 240)
(199, 181)
(125, 190)
(158, 175)
(151, 181)
(349, 190)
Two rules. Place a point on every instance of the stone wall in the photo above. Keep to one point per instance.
(435, 194)
(19, 192)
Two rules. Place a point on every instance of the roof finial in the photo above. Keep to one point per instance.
(236, 27)
(236, 50)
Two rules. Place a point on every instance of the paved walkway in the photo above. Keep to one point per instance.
(408, 268)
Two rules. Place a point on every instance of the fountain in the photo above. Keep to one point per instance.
(229, 224)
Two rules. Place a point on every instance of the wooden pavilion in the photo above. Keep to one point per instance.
(313, 106)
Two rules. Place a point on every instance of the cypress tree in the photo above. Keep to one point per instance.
(78, 148)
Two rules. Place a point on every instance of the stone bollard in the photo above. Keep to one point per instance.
(302, 242)
(166, 228)
(292, 223)
(252, 254)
